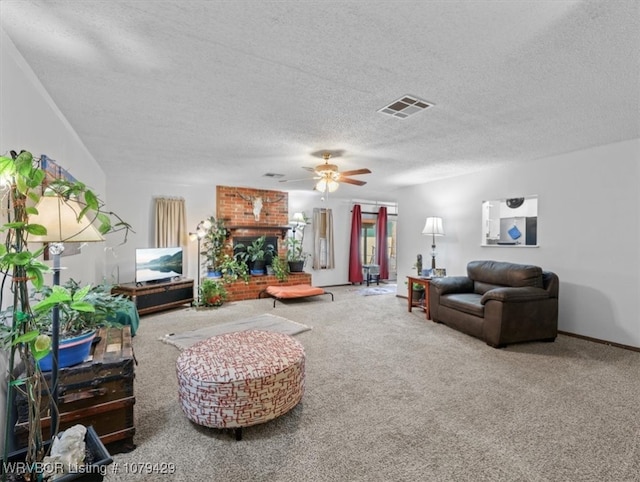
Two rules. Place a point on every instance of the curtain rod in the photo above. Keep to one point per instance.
(377, 203)
(369, 212)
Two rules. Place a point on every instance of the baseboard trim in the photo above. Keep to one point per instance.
(598, 340)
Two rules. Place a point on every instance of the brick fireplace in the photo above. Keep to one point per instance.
(251, 213)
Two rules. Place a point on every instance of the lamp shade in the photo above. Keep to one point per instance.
(60, 217)
(298, 218)
(433, 226)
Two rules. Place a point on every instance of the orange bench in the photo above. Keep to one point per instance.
(292, 292)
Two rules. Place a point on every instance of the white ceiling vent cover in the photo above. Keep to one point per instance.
(405, 106)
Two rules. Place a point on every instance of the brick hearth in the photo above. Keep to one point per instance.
(240, 291)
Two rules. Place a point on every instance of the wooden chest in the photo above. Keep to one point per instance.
(98, 392)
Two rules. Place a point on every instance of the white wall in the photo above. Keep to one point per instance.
(31, 121)
(125, 193)
(588, 232)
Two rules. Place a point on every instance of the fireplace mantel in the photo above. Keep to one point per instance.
(262, 227)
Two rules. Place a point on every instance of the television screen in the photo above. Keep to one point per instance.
(156, 264)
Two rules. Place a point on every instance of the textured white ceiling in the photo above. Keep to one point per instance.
(204, 92)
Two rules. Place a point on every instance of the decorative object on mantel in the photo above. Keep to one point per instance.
(433, 227)
(257, 202)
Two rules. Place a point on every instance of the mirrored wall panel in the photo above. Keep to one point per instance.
(510, 222)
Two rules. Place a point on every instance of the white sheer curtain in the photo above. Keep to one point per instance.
(323, 257)
(171, 222)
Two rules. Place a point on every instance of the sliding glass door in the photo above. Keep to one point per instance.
(368, 241)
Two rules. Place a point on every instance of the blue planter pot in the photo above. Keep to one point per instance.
(71, 351)
(214, 274)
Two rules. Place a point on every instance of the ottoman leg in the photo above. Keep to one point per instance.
(238, 432)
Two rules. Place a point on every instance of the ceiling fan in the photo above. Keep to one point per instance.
(328, 175)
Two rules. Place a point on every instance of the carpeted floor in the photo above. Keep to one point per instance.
(383, 289)
(265, 321)
(393, 397)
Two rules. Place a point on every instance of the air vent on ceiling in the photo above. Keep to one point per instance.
(273, 174)
(405, 106)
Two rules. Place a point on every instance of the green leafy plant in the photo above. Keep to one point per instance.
(25, 183)
(214, 243)
(212, 293)
(280, 268)
(295, 251)
(81, 308)
(256, 251)
(233, 269)
(294, 245)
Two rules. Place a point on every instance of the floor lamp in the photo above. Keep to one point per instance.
(200, 232)
(433, 227)
(60, 217)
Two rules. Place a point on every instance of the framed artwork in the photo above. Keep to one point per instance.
(439, 273)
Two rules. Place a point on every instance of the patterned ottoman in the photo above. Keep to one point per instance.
(240, 379)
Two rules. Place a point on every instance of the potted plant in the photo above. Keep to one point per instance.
(255, 254)
(233, 269)
(213, 245)
(296, 257)
(212, 292)
(418, 291)
(22, 268)
(82, 310)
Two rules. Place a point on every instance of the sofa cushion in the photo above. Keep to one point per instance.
(465, 302)
(505, 274)
(481, 287)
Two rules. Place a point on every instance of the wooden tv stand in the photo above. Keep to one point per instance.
(151, 297)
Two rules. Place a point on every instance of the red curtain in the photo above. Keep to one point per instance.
(355, 263)
(381, 243)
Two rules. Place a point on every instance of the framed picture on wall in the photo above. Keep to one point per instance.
(427, 273)
(52, 172)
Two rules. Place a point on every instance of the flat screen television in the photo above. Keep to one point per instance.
(158, 264)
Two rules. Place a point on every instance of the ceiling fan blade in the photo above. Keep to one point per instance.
(351, 181)
(310, 169)
(296, 180)
(356, 172)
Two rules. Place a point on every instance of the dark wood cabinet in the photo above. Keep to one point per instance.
(149, 298)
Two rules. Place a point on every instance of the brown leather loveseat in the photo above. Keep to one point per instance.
(498, 302)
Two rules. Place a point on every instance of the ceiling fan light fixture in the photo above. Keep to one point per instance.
(327, 185)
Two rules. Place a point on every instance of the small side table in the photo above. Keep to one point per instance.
(424, 282)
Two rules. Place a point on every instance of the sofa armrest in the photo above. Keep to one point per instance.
(452, 284)
(506, 294)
